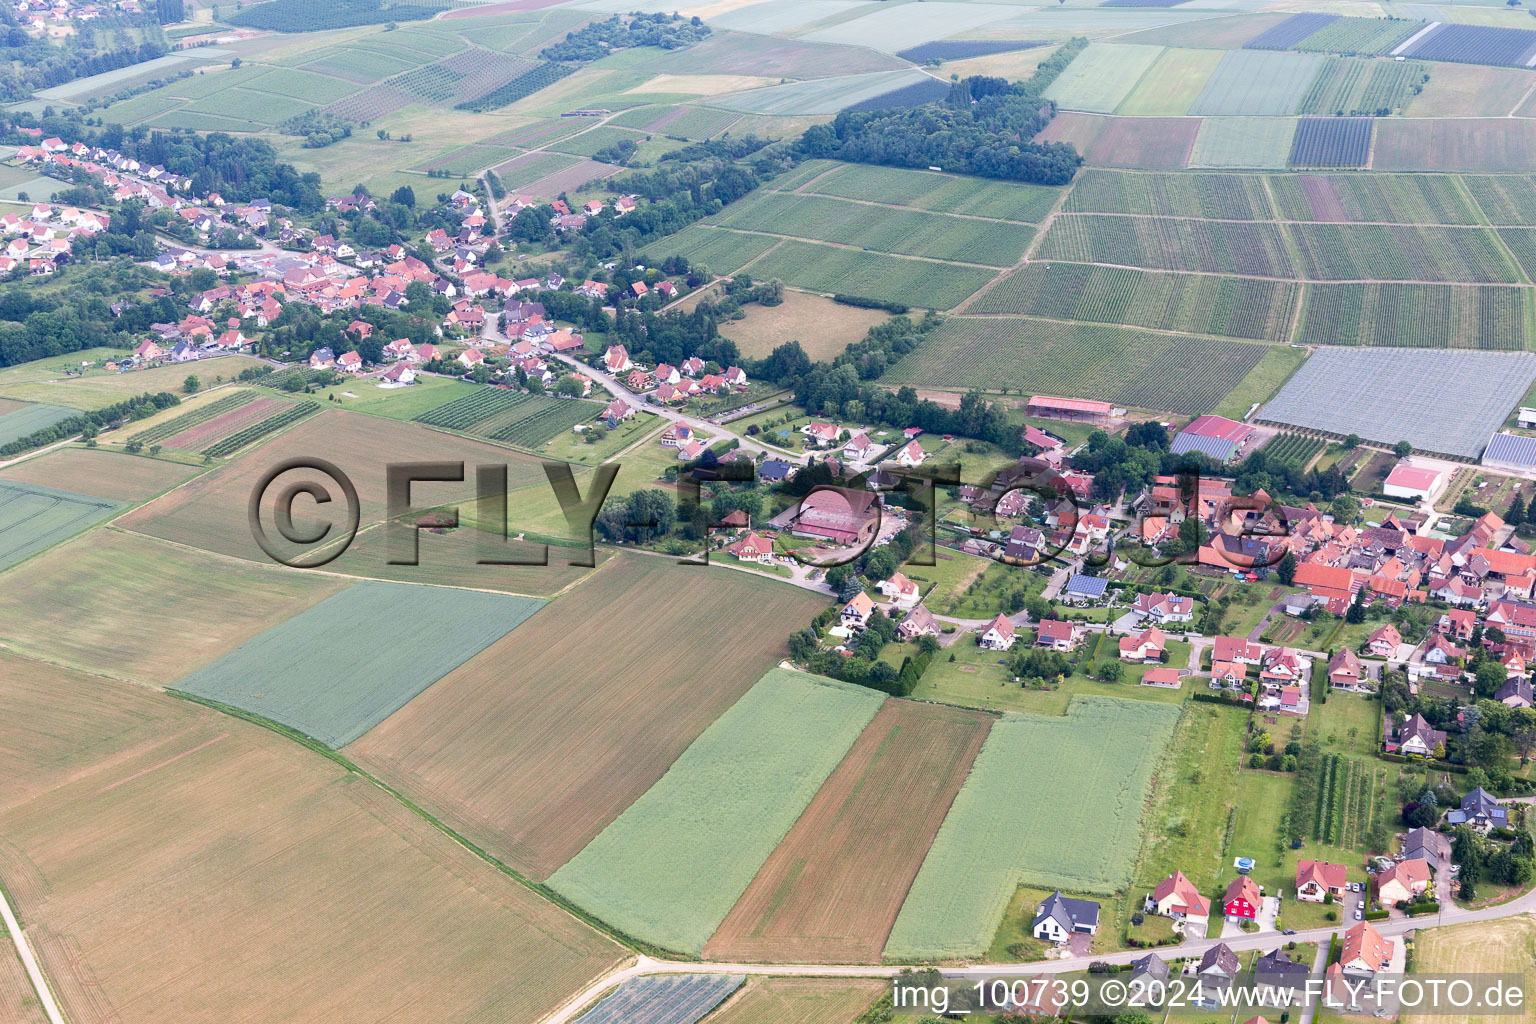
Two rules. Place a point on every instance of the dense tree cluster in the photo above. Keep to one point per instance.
(985, 126)
(37, 324)
(110, 42)
(668, 31)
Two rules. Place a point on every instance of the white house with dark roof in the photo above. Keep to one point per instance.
(1059, 917)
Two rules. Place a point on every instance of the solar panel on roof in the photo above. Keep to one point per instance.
(1513, 449)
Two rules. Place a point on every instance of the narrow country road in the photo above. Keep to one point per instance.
(24, 950)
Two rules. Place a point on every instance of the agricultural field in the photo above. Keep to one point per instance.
(906, 232)
(1502, 199)
(1266, 377)
(831, 890)
(34, 517)
(1467, 90)
(1475, 44)
(980, 857)
(1248, 82)
(1162, 143)
(1367, 36)
(167, 803)
(723, 252)
(664, 999)
(1348, 85)
(294, 673)
(1388, 396)
(916, 282)
(100, 388)
(1116, 364)
(926, 190)
(1259, 142)
(1214, 196)
(589, 142)
(512, 417)
(801, 1001)
(198, 432)
(164, 427)
(247, 429)
(1298, 449)
(1521, 242)
(1100, 77)
(823, 327)
(1418, 315)
(211, 511)
(1489, 144)
(669, 869)
(1172, 84)
(1378, 198)
(18, 420)
(1332, 142)
(1354, 252)
(740, 53)
(1487, 947)
(1165, 243)
(81, 604)
(1196, 304)
(1290, 32)
(581, 755)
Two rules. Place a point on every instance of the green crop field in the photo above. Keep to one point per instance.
(398, 638)
(1259, 82)
(601, 137)
(355, 64)
(1216, 196)
(522, 420)
(1351, 85)
(669, 869)
(34, 518)
(1197, 304)
(907, 232)
(1074, 799)
(1360, 35)
(1504, 199)
(1102, 76)
(1164, 243)
(28, 419)
(1348, 252)
(1115, 364)
(1243, 142)
(1173, 84)
(252, 107)
(315, 90)
(1522, 242)
(1378, 198)
(874, 275)
(723, 252)
(1418, 315)
(926, 190)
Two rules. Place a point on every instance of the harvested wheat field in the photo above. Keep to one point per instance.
(1487, 947)
(46, 740)
(831, 890)
(101, 474)
(211, 511)
(18, 1001)
(800, 1001)
(83, 603)
(225, 874)
(534, 746)
(823, 327)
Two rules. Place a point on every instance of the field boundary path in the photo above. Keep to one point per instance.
(24, 950)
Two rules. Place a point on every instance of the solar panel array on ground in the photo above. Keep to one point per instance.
(679, 999)
(1446, 401)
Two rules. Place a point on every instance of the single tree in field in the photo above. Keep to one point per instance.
(1403, 449)
(191, 384)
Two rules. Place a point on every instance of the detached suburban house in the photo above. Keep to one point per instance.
(1177, 897)
(1146, 646)
(1417, 736)
(1481, 810)
(1164, 607)
(1316, 878)
(1402, 881)
(1060, 916)
(1242, 899)
(999, 635)
(1365, 951)
(856, 613)
(1056, 635)
(902, 591)
(1344, 670)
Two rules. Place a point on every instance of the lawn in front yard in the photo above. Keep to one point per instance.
(1013, 942)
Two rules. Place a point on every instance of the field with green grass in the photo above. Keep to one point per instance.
(823, 268)
(669, 869)
(19, 420)
(1102, 76)
(1172, 84)
(1243, 142)
(1076, 829)
(924, 190)
(33, 518)
(396, 646)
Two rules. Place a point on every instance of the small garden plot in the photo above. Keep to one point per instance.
(1100, 77)
(1388, 396)
(668, 999)
(1332, 142)
(1346, 252)
(25, 420)
(1166, 243)
(1080, 793)
(1289, 32)
(908, 232)
(34, 518)
(669, 869)
(1256, 82)
(400, 640)
(1196, 304)
(1379, 198)
(210, 430)
(1215, 196)
(927, 190)
(1257, 142)
(724, 252)
(1418, 316)
(915, 282)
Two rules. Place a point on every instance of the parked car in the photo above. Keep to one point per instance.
(1289, 931)
(1357, 915)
